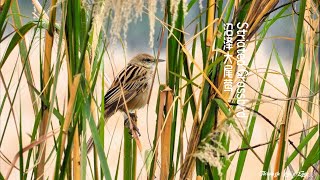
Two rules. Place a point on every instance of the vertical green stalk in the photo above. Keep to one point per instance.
(297, 45)
(101, 133)
(211, 119)
(284, 127)
(128, 159)
(174, 64)
(21, 170)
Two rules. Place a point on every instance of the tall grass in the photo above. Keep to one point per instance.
(197, 129)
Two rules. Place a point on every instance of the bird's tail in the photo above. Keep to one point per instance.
(107, 115)
(89, 144)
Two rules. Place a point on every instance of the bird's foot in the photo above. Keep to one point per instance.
(132, 126)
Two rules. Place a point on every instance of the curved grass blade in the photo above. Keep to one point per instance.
(17, 37)
(98, 145)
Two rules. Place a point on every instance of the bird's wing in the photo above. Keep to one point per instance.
(130, 81)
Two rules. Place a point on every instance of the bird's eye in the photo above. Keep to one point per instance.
(147, 60)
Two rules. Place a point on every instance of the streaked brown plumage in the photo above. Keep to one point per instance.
(131, 87)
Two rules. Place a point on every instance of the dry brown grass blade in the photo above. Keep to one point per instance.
(211, 11)
(285, 124)
(42, 148)
(162, 99)
(166, 137)
(46, 76)
(257, 14)
(6, 160)
(189, 163)
(76, 155)
(27, 148)
(67, 121)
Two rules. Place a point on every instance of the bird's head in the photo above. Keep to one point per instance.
(145, 60)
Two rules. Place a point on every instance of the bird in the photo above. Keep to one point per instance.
(130, 90)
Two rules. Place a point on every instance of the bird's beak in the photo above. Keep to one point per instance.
(161, 60)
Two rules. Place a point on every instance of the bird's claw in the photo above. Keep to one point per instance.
(134, 127)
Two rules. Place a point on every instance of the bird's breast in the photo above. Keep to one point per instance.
(140, 100)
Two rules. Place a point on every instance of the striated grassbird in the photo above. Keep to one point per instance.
(130, 90)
